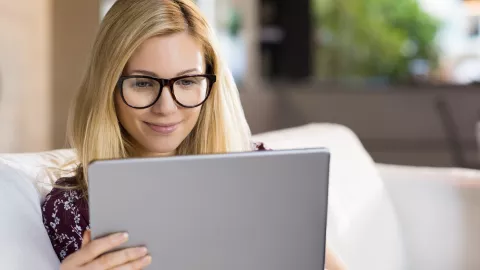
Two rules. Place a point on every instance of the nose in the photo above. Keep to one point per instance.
(165, 104)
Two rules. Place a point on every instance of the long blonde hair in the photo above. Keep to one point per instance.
(94, 130)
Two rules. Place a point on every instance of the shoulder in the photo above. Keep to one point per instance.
(64, 191)
(64, 200)
(64, 194)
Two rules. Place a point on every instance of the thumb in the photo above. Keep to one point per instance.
(87, 237)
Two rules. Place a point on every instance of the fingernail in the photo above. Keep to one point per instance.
(141, 251)
(120, 237)
(147, 260)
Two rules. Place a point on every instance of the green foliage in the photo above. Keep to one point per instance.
(366, 38)
(235, 23)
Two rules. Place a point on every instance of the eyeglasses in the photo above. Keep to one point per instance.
(141, 92)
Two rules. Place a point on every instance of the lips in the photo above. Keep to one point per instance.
(164, 129)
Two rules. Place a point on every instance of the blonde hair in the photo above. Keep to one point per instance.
(94, 130)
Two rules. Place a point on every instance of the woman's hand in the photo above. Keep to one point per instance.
(90, 257)
(332, 261)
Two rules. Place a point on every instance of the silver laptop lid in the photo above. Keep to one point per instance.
(260, 210)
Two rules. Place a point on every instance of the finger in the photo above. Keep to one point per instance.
(87, 238)
(332, 260)
(118, 258)
(96, 248)
(137, 264)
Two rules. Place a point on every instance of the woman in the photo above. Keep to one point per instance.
(155, 86)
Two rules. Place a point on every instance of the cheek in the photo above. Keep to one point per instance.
(192, 116)
(125, 114)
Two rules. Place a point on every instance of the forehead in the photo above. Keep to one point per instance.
(168, 55)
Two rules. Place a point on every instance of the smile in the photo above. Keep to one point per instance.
(163, 129)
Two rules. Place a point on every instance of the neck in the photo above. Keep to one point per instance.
(150, 154)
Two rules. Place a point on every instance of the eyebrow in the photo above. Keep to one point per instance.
(153, 74)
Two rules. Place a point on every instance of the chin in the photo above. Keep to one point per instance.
(161, 147)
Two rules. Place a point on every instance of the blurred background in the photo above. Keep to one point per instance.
(402, 74)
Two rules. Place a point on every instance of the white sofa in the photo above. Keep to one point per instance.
(380, 216)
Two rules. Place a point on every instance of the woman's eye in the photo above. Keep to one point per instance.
(186, 82)
(143, 84)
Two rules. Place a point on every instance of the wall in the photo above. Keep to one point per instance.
(74, 28)
(25, 75)
(401, 126)
(44, 46)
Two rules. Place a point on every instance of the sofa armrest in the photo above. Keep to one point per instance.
(438, 210)
(24, 242)
(362, 227)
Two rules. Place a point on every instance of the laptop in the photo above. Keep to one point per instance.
(262, 210)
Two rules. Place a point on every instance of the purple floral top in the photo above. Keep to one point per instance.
(66, 216)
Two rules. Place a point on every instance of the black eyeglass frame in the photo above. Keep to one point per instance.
(212, 78)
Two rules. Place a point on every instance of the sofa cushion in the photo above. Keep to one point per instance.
(42, 168)
(362, 225)
(24, 243)
(438, 209)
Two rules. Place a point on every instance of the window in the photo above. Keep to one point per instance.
(391, 41)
